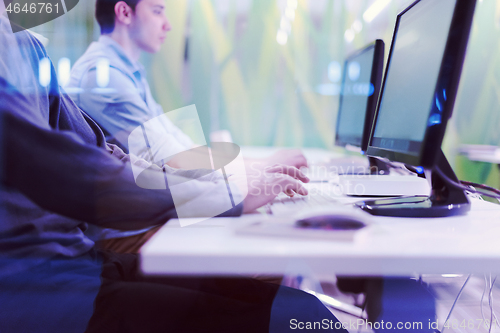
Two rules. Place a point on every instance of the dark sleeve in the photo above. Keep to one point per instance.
(60, 172)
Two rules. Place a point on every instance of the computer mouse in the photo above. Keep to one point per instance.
(330, 222)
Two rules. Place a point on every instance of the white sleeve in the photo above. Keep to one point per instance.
(176, 133)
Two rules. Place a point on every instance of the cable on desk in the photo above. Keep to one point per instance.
(491, 308)
(454, 303)
(469, 186)
(490, 302)
(494, 314)
(482, 297)
(482, 187)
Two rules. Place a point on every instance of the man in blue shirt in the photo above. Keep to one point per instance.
(125, 102)
(57, 175)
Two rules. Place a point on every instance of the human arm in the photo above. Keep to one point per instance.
(61, 173)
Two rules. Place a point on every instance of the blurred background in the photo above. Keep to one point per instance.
(269, 70)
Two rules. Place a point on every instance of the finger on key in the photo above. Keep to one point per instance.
(288, 170)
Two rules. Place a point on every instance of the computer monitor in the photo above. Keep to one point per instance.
(359, 94)
(360, 89)
(417, 98)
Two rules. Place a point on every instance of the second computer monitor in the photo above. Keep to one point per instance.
(359, 95)
(421, 81)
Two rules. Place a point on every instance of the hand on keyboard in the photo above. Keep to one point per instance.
(265, 184)
(320, 195)
(291, 157)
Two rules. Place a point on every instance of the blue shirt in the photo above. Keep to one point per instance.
(125, 102)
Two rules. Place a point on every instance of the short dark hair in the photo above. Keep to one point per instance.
(105, 13)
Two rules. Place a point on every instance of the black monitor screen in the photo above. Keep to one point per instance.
(359, 94)
(410, 85)
(417, 98)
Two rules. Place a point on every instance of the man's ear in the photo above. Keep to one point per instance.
(123, 13)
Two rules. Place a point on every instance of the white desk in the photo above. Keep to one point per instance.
(389, 247)
(481, 153)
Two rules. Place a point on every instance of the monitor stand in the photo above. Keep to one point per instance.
(378, 167)
(446, 199)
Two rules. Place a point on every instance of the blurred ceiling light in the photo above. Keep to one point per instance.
(357, 26)
(102, 75)
(285, 25)
(292, 4)
(354, 71)
(44, 72)
(290, 14)
(63, 71)
(282, 37)
(349, 35)
(334, 71)
(376, 8)
(328, 89)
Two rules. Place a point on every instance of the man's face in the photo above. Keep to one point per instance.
(149, 25)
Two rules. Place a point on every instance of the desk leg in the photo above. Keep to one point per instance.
(400, 304)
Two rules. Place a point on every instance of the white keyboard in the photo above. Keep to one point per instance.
(284, 205)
